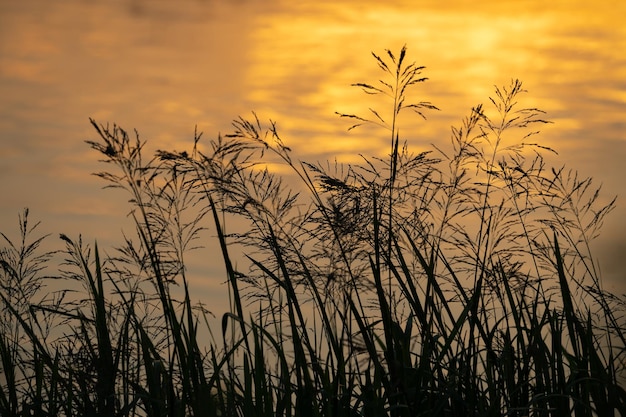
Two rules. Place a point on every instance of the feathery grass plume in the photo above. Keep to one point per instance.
(29, 369)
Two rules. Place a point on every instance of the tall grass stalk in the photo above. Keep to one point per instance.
(457, 281)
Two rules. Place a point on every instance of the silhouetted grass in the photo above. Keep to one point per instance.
(457, 281)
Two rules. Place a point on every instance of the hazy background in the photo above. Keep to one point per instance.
(164, 66)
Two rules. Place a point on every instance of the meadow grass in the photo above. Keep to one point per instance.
(457, 281)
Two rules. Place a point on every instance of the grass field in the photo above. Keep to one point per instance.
(457, 281)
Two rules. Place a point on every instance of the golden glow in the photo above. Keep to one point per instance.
(163, 67)
(466, 53)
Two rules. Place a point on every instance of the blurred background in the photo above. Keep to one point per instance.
(164, 66)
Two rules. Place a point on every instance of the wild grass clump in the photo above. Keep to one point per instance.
(457, 281)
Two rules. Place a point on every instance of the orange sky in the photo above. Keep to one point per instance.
(164, 66)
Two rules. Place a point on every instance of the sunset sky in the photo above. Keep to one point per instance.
(163, 66)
